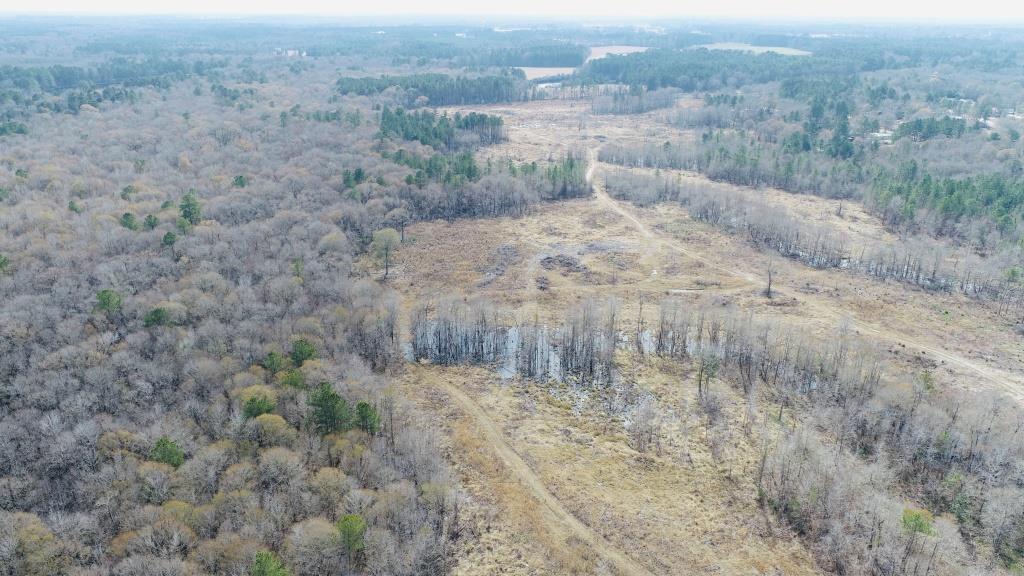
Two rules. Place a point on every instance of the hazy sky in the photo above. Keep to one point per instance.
(997, 11)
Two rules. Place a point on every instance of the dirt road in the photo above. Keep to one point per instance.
(554, 512)
(1000, 380)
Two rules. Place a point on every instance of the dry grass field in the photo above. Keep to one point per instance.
(553, 485)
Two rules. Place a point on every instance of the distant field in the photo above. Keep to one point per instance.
(532, 73)
(602, 51)
(755, 49)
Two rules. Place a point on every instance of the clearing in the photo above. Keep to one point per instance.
(559, 488)
(535, 72)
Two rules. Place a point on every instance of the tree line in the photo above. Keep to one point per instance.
(561, 55)
(902, 195)
(443, 90)
(979, 209)
(632, 101)
(441, 132)
(928, 128)
(860, 467)
(61, 88)
(700, 69)
(919, 262)
(579, 351)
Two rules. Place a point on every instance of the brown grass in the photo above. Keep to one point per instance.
(678, 511)
(675, 512)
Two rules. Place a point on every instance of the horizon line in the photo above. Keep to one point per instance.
(567, 18)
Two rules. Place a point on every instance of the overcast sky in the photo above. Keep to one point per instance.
(959, 11)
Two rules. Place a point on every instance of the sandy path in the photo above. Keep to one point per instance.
(556, 514)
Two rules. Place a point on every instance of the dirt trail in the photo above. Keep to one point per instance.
(610, 203)
(996, 378)
(555, 513)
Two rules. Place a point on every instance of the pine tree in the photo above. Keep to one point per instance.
(168, 452)
(265, 563)
(191, 210)
(329, 411)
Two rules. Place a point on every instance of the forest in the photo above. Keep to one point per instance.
(928, 175)
(443, 90)
(310, 298)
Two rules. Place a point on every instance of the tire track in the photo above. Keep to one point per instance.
(554, 511)
(995, 378)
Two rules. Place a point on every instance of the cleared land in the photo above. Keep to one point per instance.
(615, 50)
(534, 72)
(552, 470)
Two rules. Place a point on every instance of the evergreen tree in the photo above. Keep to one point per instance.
(275, 362)
(191, 210)
(168, 452)
(367, 418)
(155, 317)
(352, 528)
(329, 411)
(265, 563)
(128, 221)
(257, 406)
(169, 239)
(302, 350)
(108, 302)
